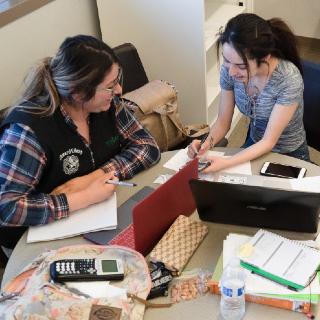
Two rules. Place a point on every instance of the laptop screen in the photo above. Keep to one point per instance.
(154, 214)
(256, 206)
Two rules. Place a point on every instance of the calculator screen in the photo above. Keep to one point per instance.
(109, 265)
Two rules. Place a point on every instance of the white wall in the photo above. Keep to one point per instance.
(303, 16)
(168, 35)
(37, 35)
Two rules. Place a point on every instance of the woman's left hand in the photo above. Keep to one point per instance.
(217, 164)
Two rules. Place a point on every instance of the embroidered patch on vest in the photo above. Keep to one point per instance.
(112, 141)
(70, 164)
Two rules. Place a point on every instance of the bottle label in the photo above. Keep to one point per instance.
(240, 291)
(229, 292)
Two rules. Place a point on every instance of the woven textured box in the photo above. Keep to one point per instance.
(179, 243)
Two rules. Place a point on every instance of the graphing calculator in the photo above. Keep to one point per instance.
(86, 270)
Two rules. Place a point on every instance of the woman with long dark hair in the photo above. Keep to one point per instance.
(261, 74)
(66, 137)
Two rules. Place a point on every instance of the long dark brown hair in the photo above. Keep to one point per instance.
(255, 38)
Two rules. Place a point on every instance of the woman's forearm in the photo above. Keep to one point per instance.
(253, 152)
(218, 131)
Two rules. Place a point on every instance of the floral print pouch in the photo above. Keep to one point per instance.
(39, 298)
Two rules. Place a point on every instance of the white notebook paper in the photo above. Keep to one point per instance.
(179, 160)
(100, 216)
(255, 283)
(284, 258)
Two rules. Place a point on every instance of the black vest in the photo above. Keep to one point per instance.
(67, 154)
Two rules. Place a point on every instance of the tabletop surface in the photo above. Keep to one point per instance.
(206, 256)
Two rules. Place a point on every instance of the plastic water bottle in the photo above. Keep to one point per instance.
(232, 304)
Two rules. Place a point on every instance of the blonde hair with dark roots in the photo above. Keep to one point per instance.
(80, 64)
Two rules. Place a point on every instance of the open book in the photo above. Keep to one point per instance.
(100, 216)
(284, 261)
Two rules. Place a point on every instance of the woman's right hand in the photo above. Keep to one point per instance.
(195, 148)
(95, 191)
(98, 190)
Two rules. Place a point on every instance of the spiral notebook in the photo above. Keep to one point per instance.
(285, 261)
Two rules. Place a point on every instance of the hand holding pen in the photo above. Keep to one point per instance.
(114, 181)
(198, 148)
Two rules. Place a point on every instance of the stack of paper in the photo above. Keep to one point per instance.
(308, 184)
(285, 261)
(294, 302)
(100, 216)
(264, 291)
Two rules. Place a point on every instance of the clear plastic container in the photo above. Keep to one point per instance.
(232, 304)
(190, 285)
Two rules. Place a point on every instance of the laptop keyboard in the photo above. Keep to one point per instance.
(124, 238)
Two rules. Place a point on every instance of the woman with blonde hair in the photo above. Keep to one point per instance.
(66, 137)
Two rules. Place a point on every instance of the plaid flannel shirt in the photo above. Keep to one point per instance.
(22, 161)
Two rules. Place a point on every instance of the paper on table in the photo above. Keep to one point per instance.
(242, 168)
(256, 283)
(178, 160)
(181, 158)
(232, 179)
(99, 289)
(308, 184)
(163, 178)
(100, 216)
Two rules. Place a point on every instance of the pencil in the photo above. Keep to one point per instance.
(121, 183)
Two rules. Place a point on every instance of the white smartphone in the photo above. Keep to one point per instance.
(282, 170)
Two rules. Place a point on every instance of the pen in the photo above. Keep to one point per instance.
(203, 165)
(121, 183)
(201, 143)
